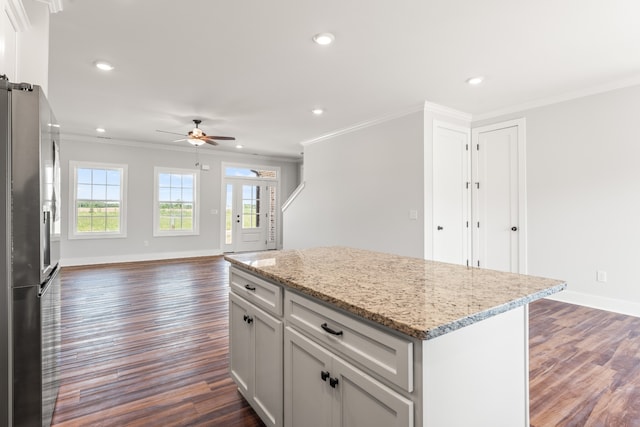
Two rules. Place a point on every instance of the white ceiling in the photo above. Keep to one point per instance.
(249, 69)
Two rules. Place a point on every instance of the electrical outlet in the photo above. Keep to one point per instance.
(601, 276)
(413, 214)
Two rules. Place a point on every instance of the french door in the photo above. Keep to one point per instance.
(479, 196)
(250, 215)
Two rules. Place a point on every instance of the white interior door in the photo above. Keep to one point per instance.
(498, 197)
(451, 193)
(248, 214)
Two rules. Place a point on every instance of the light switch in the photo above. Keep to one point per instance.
(601, 276)
(413, 214)
(205, 167)
(214, 211)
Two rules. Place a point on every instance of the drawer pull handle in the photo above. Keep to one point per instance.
(248, 319)
(324, 375)
(249, 287)
(333, 382)
(331, 331)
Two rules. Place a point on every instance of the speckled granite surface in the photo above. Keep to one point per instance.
(422, 299)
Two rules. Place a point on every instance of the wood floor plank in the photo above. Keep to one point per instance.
(146, 344)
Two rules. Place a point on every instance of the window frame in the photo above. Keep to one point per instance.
(73, 234)
(157, 170)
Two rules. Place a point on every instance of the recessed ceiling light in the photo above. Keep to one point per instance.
(324, 38)
(317, 111)
(101, 130)
(475, 80)
(239, 146)
(104, 66)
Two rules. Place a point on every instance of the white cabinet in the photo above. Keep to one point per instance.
(255, 347)
(321, 389)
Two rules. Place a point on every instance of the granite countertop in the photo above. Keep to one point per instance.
(419, 298)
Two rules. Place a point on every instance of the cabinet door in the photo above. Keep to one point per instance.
(267, 367)
(362, 401)
(240, 344)
(308, 397)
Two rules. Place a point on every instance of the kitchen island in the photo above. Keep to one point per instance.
(345, 337)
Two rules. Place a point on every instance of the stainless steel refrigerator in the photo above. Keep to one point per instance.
(29, 255)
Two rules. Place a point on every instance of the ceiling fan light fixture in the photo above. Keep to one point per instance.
(195, 141)
(103, 65)
(324, 38)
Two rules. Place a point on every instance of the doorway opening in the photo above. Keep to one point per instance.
(250, 196)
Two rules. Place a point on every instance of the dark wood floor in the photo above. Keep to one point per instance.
(584, 366)
(146, 344)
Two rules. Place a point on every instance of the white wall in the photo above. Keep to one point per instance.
(583, 178)
(24, 41)
(359, 189)
(33, 46)
(141, 162)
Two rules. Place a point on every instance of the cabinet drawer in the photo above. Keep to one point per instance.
(384, 354)
(260, 292)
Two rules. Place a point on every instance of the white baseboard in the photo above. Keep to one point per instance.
(599, 302)
(155, 256)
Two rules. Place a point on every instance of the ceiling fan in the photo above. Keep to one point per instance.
(197, 137)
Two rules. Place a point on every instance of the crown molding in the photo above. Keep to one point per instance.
(594, 90)
(17, 15)
(55, 6)
(92, 139)
(447, 111)
(364, 124)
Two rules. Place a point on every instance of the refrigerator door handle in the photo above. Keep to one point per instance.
(45, 287)
(46, 244)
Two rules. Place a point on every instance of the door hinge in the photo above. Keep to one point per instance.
(478, 185)
(467, 224)
(478, 263)
(467, 263)
(466, 147)
(468, 185)
(478, 224)
(478, 147)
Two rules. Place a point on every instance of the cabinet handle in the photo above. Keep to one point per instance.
(331, 331)
(249, 287)
(248, 319)
(333, 382)
(324, 375)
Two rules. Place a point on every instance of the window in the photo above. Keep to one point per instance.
(247, 172)
(176, 202)
(99, 194)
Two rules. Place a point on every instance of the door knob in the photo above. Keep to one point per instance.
(514, 228)
(440, 227)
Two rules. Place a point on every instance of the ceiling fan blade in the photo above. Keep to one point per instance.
(165, 131)
(222, 138)
(209, 141)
